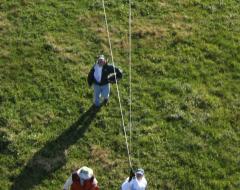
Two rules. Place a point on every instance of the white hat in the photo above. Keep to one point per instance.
(85, 173)
(101, 57)
(140, 171)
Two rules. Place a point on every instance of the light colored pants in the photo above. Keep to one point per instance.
(100, 91)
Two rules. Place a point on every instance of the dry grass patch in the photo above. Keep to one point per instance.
(52, 44)
(66, 53)
(96, 24)
(4, 23)
(94, 20)
(181, 26)
(101, 155)
(148, 30)
(4, 53)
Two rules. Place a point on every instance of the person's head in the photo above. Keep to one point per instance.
(139, 173)
(86, 173)
(101, 60)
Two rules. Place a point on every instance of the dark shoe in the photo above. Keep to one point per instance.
(95, 107)
(105, 102)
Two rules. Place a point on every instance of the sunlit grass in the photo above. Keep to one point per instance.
(185, 87)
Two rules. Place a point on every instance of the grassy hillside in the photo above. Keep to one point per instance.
(186, 93)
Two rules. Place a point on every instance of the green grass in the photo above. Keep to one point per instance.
(186, 93)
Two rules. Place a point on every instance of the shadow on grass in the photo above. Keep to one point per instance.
(52, 156)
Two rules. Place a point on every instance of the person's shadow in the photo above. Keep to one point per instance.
(52, 156)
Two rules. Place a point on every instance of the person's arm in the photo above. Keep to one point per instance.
(68, 183)
(118, 73)
(90, 76)
(94, 182)
(131, 175)
(113, 77)
(146, 187)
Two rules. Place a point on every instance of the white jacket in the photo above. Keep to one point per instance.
(135, 184)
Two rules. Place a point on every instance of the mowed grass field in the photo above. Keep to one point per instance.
(185, 93)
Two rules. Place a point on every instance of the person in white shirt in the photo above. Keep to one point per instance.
(137, 182)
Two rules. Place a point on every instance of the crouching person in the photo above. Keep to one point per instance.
(81, 179)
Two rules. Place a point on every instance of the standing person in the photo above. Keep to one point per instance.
(81, 179)
(136, 181)
(100, 76)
